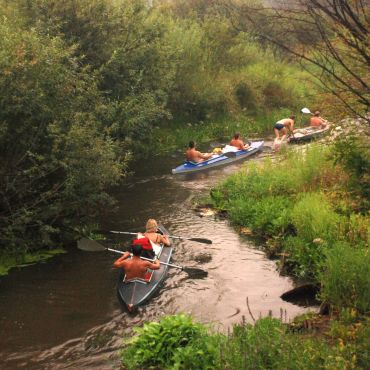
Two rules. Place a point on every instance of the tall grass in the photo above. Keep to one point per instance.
(176, 342)
(293, 201)
(176, 136)
(345, 277)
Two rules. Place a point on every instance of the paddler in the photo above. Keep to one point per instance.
(153, 235)
(317, 121)
(238, 142)
(193, 155)
(135, 268)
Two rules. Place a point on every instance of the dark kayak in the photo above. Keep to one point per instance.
(308, 133)
(219, 160)
(136, 292)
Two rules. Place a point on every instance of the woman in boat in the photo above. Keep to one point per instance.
(193, 155)
(238, 142)
(317, 121)
(135, 268)
(152, 233)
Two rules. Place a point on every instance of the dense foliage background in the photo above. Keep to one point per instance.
(85, 84)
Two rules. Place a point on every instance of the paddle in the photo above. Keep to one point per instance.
(199, 240)
(90, 245)
(306, 111)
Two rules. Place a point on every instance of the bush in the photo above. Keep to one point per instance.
(345, 277)
(313, 218)
(269, 216)
(176, 341)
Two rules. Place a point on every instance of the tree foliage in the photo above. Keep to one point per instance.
(330, 38)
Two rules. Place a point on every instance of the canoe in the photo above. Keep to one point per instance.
(308, 133)
(136, 292)
(219, 160)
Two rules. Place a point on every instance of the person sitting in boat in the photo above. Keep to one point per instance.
(135, 268)
(193, 155)
(317, 121)
(153, 235)
(284, 125)
(238, 142)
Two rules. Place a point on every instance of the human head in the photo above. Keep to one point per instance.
(191, 144)
(236, 135)
(292, 116)
(136, 249)
(151, 225)
(317, 113)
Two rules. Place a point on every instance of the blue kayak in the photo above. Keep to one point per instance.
(219, 160)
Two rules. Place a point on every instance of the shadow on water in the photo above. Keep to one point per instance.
(65, 313)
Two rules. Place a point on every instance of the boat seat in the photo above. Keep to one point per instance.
(148, 277)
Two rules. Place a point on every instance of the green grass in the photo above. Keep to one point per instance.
(176, 342)
(177, 135)
(301, 204)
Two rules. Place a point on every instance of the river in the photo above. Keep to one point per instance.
(64, 314)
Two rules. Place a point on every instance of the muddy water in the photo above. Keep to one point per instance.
(64, 314)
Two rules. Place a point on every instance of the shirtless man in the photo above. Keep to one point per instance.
(194, 155)
(135, 267)
(152, 234)
(283, 125)
(317, 121)
(238, 143)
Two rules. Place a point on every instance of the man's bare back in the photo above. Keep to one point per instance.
(135, 267)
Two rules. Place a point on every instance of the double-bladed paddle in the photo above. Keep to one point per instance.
(90, 245)
(199, 240)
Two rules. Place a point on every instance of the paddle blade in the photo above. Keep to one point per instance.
(89, 245)
(305, 110)
(195, 273)
(201, 240)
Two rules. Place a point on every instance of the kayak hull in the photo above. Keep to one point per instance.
(218, 161)
(137, 291)
(308, 133)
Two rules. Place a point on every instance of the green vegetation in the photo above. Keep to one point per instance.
(303, 205)
(176, 342)
(86, 84)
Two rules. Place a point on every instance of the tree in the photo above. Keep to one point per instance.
(56, 159)
(329, 37)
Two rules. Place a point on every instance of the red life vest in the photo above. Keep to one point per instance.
(144, 242)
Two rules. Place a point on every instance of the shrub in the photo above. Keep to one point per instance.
(345, 277)
(313, 218)
(173, 342)
(269, 216)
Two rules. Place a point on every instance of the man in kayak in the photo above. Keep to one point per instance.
(193, 155)
(135, 268)
(317, 121)
(153, 235)
(238, 142)
(284, 125)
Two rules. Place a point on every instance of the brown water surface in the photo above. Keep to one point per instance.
(64, 314)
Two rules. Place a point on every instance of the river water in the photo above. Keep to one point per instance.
(64, 314)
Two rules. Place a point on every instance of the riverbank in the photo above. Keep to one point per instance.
(180, 343)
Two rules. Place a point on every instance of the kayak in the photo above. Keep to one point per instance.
(136, 292)
(219, 159)
(308, 133)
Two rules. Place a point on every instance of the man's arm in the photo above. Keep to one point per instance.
(204, 155)
(153, 266)
(118, 263)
